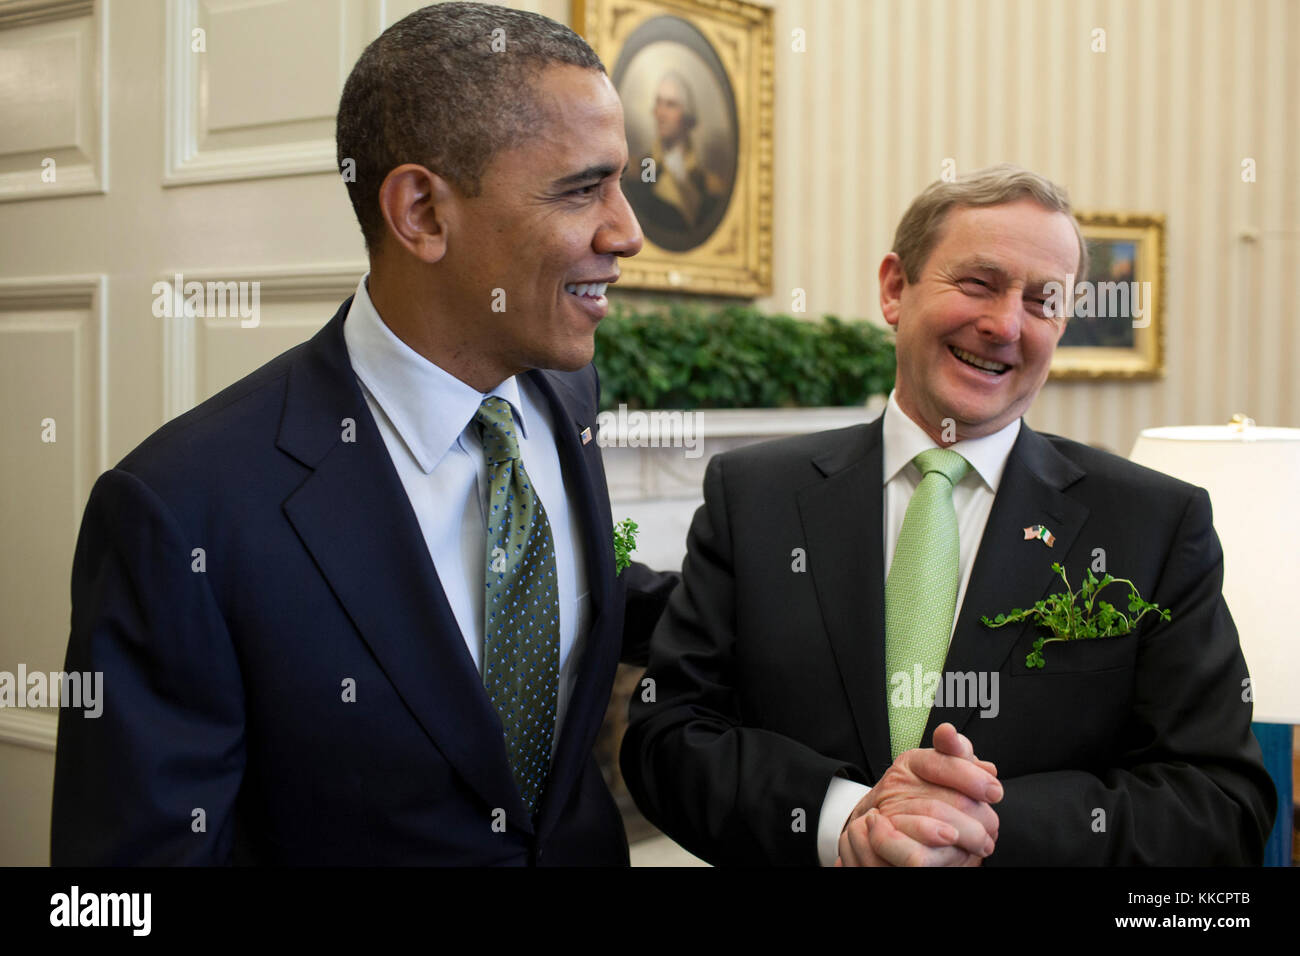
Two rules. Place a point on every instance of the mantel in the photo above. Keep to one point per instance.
(655, 460)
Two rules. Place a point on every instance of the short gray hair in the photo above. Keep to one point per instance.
(919, 229)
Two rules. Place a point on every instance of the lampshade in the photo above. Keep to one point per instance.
(1253, 477)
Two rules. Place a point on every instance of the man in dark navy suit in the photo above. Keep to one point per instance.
(361, 606)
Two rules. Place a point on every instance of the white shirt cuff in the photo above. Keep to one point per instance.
(841, 797)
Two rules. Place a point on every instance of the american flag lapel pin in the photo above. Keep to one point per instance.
(586, 435)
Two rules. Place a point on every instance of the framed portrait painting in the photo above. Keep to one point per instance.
(695, 78)
(1117, 322)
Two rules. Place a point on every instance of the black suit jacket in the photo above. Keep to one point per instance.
(769, 680)
(226, 735)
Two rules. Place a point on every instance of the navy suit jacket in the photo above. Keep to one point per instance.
(284, 680)
(770, 679)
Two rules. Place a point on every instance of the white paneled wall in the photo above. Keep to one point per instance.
(52, 96)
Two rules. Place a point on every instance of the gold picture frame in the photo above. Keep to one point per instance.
(1119, 332)
(695, 77)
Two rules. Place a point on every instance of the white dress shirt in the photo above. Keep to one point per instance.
(972, 499)
(426, 418)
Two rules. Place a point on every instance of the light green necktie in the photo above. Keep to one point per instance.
(521, 635)
(921, 592)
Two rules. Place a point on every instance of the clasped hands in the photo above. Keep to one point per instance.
(932, 807)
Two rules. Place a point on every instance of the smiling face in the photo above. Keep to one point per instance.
(975, 341)
(546, 230)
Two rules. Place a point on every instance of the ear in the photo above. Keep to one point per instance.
(418, 206)
(892, 282)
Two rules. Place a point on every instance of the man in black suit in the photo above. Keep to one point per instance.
(361, 606)
(786, 716)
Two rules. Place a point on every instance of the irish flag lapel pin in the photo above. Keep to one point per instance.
(1041, 533)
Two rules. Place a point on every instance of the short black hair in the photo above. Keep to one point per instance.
(446, 87)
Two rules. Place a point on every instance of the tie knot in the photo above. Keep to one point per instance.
(947, 463)
(497, 426)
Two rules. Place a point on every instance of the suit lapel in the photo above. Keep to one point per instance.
(846, 509)
(355, 518)
(843, 526)
(1009, 570)
(584, 480)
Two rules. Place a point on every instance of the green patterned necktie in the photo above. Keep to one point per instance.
(521, 634)
(921, 592)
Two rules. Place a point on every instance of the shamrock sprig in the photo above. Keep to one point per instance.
(1079, 615)
(624, 544)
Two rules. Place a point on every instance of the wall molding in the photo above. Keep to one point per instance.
(185, 162)
(87, 291)
(88, 173)
(180, 333)
(21, 13)
(37, 729)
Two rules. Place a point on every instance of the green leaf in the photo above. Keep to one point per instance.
(688, 355)
(1081, 615)
(624, 544)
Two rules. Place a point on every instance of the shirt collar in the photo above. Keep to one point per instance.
(904, 440)
(427, 406)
